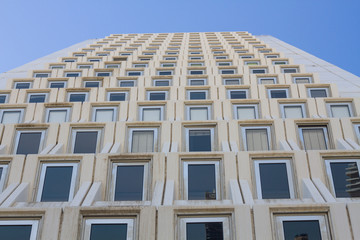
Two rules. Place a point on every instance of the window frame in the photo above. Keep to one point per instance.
(297, 78)
(324, 129)
(236, 113)
(115, 112)
(187, 137)
(155, 138)
(268, 131)
(189, 108)
(67, 109)
(34, 226)
(277, 89)
(130, 80)
(202, 72)
(86, 96)
(317, 88)
(252, 70)
(19, 132)
(21, 116)
(109, 93)
(51, 82)
(221, 71)
(232, 79)
(84, 66)
(161, 80)
(267, 78)
(159, 72)
(239, 89)
(30, 85)
(197, 90)
(283, 69)
(101, 72)
(141, 111)
(131, 225)
(66, 74)
(301, 105)
(148, 93)
(34, 94)
(330, 105)
(92, 81)
(195, 79)
(75, 130)
(6, 97)
(128, 73)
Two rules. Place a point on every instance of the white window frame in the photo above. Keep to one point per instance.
(160, 71)
(252, 70)
(170, 58)
(141, 111)
(236, 106)
(73, 178)
(302, 105)
(241, 89)
(30, 84)
(222, 70)
(149, 92)
(155, 131)
(323, 224)
(268, 131)
(203, 219)
(196, 58)
(57, 67)
(66, 73)
(280, 62)
(48, 74)
(6, 98)
(146, 175)
(330, 105)
(91, 81)
(115, 112)
(4, 175)
(109, 66)
(131, 226)
(287, 68)
(128, 73)
(130, 80)
(21, 117)
(19, 132)
(55, 109)
(65, 83)
(197, 79)
(267, 78)
(324, 129)
(252, 63)
(74, 131)
(186, 164)
(196, 64)
(246, 56)
(187, 135)
(94, 60)
(311, 88)
(224, 63)
(140, 65)
(190, 91)
(289, 173)
(34, 226)
(296, 78)
(109, 72)
(69, 60)
(232, 79)
(190, 107)
(357, 131)
(202, 72)
(33, 94)
(109, 93)
(86, 95)
(272, 56)
(277, 89)
(170, 64)
(161, 80)
(221, 57)
(84, 66)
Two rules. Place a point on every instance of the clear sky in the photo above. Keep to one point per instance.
(328, 29)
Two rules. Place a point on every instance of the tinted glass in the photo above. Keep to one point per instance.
(92, 84)
(77, 97)
(57, 85)
(197, 72)
(117, 97)
(41, 75)
(303, 230)
(278, 94)
(318, 93)
(108, 231)
(204, 231)
(199, 140)
(2, 99)
(55, 190)
(227, 71)
(37, 98)
(127, 83)
(29, 143)
(162, 73)
(197, 95)
(201, 182)
(157, 96)
(256, 71)
(22, 85)
(129, 183)
(346, 179)
(103, 74)
(85, 142)
(72, 74)
(289, 70)
(134, 73)
(162, 83)
(237, 94)
(15, 232)
(274, 180)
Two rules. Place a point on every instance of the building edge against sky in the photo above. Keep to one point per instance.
(174, 136)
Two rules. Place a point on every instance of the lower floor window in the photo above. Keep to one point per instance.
(109, 228)
(19, 229)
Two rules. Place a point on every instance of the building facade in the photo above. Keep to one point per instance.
(165, 136)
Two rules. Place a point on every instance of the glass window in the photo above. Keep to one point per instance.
(289, 70)
(197, 82)
(204, 228)
(293, 110)
(41, 75)
(37, 97)
(256, 138)
(104, 114)
(199, 140)
(227, 71)
(314, 137)
(318, 92)
(339, 110)
(168, 65)
(154, 96)
(117, 96)
(151, 113)
(143, 140)
(57, 67)
(344, 177)
(109, 229)
(72, 74)
(273, 179)
(112, 66)
(134, 73)
(165, 73)
(244, 112)
(279, 62)
(3, 98)
(53, 190)
(278, 93)
(162, 82)
(3, 175)
(91, 84)
(224, 64)
(22, 85)
(198, 113)
(103, 74)
(196, 72)
(196, 64)
(232, 81)
(84, 66)
(237, 94)
(85, 141)
(252, 63)
(54, 84)
(127, 83)
(258, 70)
(57, 115)
(29, 142)
(78, 97)
(197, 95)
(271, 80)
(19, 229)
(11, 116)
(302, 80)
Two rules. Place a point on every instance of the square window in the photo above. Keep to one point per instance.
(293, 110)
(196, 72)
(72, 74)
(256, 138)
(19, 229)
(103, 74)
(112, 228)
(11, 115)
(117, 96)
(134, 73)
(344, 177)
(90, 84)
(197, 82)
(244, 112)
(3, 98)
(238, 94)
(165, 73)
(318, 92)
(85, 141)
(57, 115)
(161, 82)
(127, 83)
(37, 97)
(199, 140)
(29, 142)
(53, 190)
(104, 114)
(41, 75)
(258, 70)
(129, 181)
(302, 80)
(197, 94)
(54, 84)
(274, 179)
(151, 113)
(201, 180)
(157, 96)
(314, 137)
(198, 113)
(143, 140)
(278, 93)
(267, 80)
(339, 110)
(78, 97)
(227, 71)
(22, 85)
(232, 81)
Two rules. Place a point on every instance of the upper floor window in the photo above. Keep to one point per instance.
(289, 70)
(198, 113)
(157, 95)
(77, 96)
(11, 115)
(57, 115)
(72, 74)
(19, 229)
(278, 93)
(127, 83)
(104, 114)
(314, 137)
(112, 228)
(302, 80)
(151, 113)
(41, 75)
(197, 82)
(199, 139)
(293, 110)
(339, 110)
(256, 138)
(318, 92)
(57, 84)
(143, 140)
(232, 81)
(3, 98)
(134, 73)
(238, 94)
(29, 141)
(85, 140)
(37, 97)
(22, 85)
(246, 111)
(197, 94)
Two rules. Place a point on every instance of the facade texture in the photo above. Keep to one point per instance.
(180, 136)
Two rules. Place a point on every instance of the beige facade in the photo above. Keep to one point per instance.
(160, 133)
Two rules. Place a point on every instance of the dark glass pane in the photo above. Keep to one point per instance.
(227, 72)
(72, 74)
(57, 85)
(163, 73)
(77, 97)
(127, 83)
(199, 140)
(2, 99)
(318, 93)
(92, 84)
(117, 97)
(162, 83)
(197, 82)
(55, 190)
(103, 74)
(197, 95)
(201, 182)
(108, 231)
(196, 72)
(29, 143)
(204, 231)
(303, 230)
(290, 70)
(134, 73)
(274, 180)
(257, 71)
(129, 183)
(1, 170)
(346, 179)
(278, 94)
(37, 98)
(15, 232)
(41, 75)
(22, 85)
(85, 142)
(157, 96)
(232, 82)
(238, 94)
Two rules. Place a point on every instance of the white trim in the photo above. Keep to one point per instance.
(129, 221)
(128, 73)
(109, 66)
(232, 79)
(347, 104)
(280, 62)
(222, 71)
(257, 68)
(84, 66)
(19, 132)
(66, 74)
(236, 106)
(297, 78)
(196, 64)
(148, 93)
(70, 93)
(170, 64)
(311, 88)
(236, 90)
(278, 89)
(4, 111)
(140, 65)
(48, 110)
(200, 70)
(190, 91)
(74, 131)
(301, 105)
(30, 84)
(109, 93)
(357, 131)
(141, 113)
(130, 80)
(85, 82)
(155, 132)
(6, 97)
(34, 226)
(64, 82)
(34, 94)
(268, 131)
(48, 74)
(101, 72)
(283, 69)
(212, 136)
(164, 71)
(324, 129)
(115, 112)
(161, 80)
(204, 80)
(267, 78)
(190, 107)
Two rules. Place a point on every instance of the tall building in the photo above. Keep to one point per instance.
(191, 136)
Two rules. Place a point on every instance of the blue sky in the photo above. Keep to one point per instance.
(328, 29)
